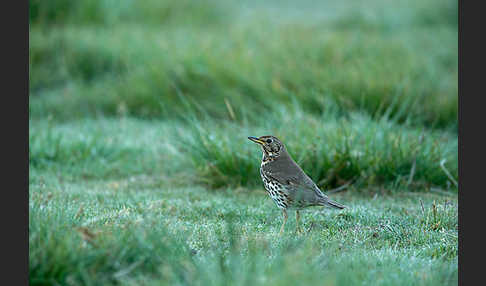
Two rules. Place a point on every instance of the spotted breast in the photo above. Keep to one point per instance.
(276, 191)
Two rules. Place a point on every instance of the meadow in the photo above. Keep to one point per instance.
(141, 173)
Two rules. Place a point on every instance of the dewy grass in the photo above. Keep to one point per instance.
(93, 233)
(104, 148)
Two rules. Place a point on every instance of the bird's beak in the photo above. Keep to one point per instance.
(256, 140)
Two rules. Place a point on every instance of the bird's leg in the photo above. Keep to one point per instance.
(297, 218)
(284, 211)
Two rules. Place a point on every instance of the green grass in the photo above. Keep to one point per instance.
(141, 173)
(393, 74)
(79, 69)
(332, 151)
(104, 12)
(113, 201)
(146, 234)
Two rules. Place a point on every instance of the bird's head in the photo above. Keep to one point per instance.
(272, 147)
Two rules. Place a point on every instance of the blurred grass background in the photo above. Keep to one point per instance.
(362, 92)
(144, 58)
(245, 62)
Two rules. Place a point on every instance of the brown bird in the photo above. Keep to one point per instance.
(286, 183)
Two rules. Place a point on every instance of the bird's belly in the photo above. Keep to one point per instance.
(276, 192)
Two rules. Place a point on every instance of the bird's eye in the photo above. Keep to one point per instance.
(269, 141)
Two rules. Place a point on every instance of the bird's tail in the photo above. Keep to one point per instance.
(334, 204)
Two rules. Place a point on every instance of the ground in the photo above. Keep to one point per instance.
(103, 220)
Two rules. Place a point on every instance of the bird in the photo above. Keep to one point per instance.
(285, 181)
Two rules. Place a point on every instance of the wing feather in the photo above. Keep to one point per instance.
(296, 183)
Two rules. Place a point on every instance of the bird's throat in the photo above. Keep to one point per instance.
(267, 157)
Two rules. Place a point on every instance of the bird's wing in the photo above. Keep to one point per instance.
(299, 191)
(297, 184)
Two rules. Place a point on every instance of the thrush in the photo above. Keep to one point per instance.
(286, 183)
